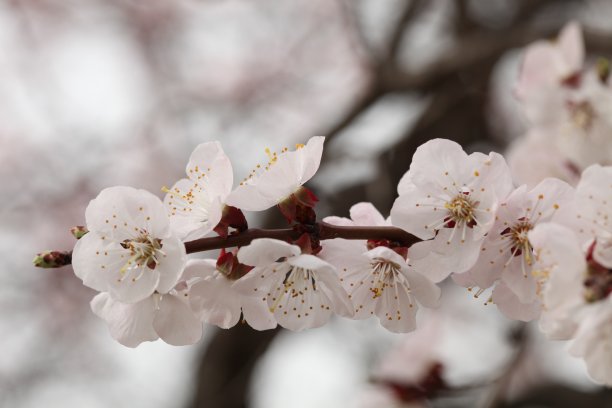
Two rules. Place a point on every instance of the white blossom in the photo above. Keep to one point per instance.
(283, 176)
(130, 250)
(301, 290)
(449, 199)
(195, 204)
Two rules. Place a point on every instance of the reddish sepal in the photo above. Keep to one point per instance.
(232, 217)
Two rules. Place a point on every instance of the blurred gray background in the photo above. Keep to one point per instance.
(95, 93)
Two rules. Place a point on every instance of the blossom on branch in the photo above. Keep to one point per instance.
(167, 316)
(378, 279)
(281, 179)
(449, 199)
(215, 301)
(196, 203)
(301, 290)
(130, 250)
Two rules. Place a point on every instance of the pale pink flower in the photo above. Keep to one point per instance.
(166, 316)
(130, 250)
(195, 204)
(548, 63)
(449, 198)
(215, 301)
(301, 290)
(280, 178)
(507, 253)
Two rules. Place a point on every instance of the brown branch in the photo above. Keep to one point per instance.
(322, 230)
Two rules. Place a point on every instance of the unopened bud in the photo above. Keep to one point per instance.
(603, 69)
(79, 231)
(52, 259)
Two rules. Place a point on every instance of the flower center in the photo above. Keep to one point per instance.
(598, 280)
(297, 282)
(582, 114)
(384, 272)
(144, 250)
(461, 211)
(517, 234)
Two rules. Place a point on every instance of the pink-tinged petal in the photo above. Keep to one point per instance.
(311, 157)
(257, 313)
(248, 197)
(343, 253)
(209, 165)
(120, 212)
(134, 285)
(593, 198)
(175, 323)
(193, 210)
(489, 266)
(129, 324)
(259, 280)
(495, 174)
(571, 45)
(329, 283)
(214, 301)
(265, 251)
(196, 269)
(418, 214)
(522, 284)
(340, 221)
(549, 196)
(396, 310)
(366, 214)
(511, 307)
(441, 162)
(357, 282)
(458, 256)
(540, 67)
(96, 260)
(425, 291)
(171, 263)
(592, 343)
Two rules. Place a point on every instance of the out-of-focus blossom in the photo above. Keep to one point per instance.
(130, 250)
(195, 204)
(507, 254)
(216, 301)
(379, 280)
(534, 157)
(449, 198)
(301, 290)
(281, 178)
(549, 64)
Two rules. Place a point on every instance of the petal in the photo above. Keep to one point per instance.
(95, 260)
(215, 302)
(396, 310)
(419, 214)
(266, 251)
(134, 285)
(439, 162)
(344, 253)
(129, 324)
(196, 269)
(366, 214)
(511, 307)
(120, 211)
(248, 197)
(311, 157)
(425, 291)
(175, 323)
(340, 221)
(523, 285)
(171, 264)
(572, 46)
(257, 313)
(210, 165)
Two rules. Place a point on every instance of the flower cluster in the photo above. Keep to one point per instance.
(568, 104)
(536, 250)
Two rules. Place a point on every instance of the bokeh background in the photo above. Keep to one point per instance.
(95, 93)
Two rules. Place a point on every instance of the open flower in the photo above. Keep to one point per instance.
(379, 281)
(449, 198)
(130, 250)
(166, 316)
(215, 301)
(282, 177)
(507, 253)
(301, 290)
(195, 204)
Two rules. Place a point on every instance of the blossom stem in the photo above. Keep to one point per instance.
(322, 230)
